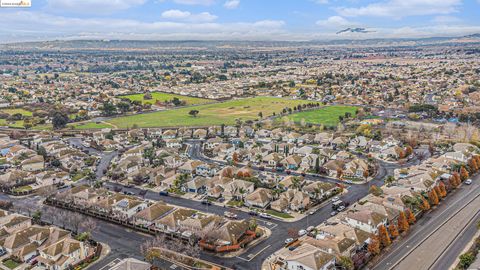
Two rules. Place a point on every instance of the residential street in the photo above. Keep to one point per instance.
(126, 243)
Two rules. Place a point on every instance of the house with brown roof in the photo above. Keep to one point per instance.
(147, 216)
(261, 197)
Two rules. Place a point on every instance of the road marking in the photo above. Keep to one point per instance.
(252, 256)
(393, 251)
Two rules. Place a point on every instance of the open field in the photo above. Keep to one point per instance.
(210, 114)
(327, 116)
(165, 96)
(15, 111)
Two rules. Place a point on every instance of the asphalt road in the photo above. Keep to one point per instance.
(126, 243)
(427, 235)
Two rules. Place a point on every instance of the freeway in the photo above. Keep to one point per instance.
(440, 235)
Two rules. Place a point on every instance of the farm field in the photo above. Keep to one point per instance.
(166, 96)
(210, 114)
(327, 116)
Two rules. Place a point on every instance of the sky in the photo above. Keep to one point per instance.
(293, 20)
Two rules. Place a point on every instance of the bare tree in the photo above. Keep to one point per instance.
(89, 225)
(73, 220)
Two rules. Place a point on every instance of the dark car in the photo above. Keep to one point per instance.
(206, 202)
(163, 193)
(128, 193)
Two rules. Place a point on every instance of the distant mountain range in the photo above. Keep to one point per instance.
(226, 44)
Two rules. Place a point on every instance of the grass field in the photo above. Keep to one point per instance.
(210, 114)
(327, 116)
(165, 96)
(15, 111)
(91, 125)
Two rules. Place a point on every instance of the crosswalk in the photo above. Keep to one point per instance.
(111, 264)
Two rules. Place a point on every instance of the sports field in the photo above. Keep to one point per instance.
(158, 96)
(210, 114)
(328, 116)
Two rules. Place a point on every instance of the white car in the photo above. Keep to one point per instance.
(311, 212)
(341, 208)
(302, 232)
(336, 198)
(288, 241)
(468, 182)
(310, 228)
(333, 213)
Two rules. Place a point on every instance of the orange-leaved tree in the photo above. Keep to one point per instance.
(433, 197)
(374, 245)
(425, 205)
(383, 235)
(392, 230)
(464, 174)
(402, 222)
(443, 189)
(410, 216)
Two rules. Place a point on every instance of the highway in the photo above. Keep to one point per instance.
(440, 235)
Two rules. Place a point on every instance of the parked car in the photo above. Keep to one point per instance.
(265, 215)
(336, 198)
(288, 172)
(163, 193)
(288, 241)
(126, 192)
(311, 212)
(468, 182)
(310, 228)
(341, 208)
(302, 232)
(333, 213)
(253, 213)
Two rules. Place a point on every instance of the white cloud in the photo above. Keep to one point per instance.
(402, 8)
(195, 2)
(233, 4)
(446, 20)
(322, 2)
(92, 6)
(27, 25)
(334, 22)
(175, 14)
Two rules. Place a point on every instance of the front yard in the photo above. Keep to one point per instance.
(11, 264)
(278, 214)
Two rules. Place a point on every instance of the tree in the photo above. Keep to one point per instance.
(392, 230)
(59, 120)
(108, 108)
(433, 197)
(425, 205)
(408, 150)
(366, 174)
(339, 173)
(410, 217)
(346, 263)
(374, 245)
(375, 190)
(463, 174)
(260, 114)
(473, 165)
(443, 189)
(89, 225)
(402, 222)
(466, 260)
(383, 236)
(193, 113)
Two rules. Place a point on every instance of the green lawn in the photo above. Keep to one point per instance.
(327, 116)
(278, 214)
(165, 96)
(210, 114)
(11, 264)
(92, 125)
(15, 111)
(22, 189)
